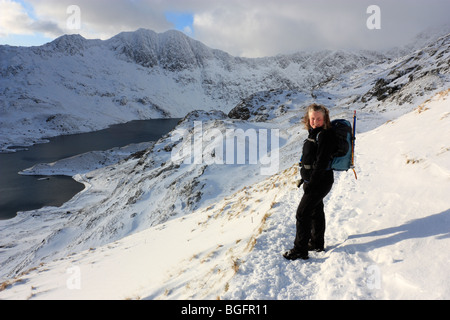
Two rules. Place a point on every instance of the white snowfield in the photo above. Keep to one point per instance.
(387, 234)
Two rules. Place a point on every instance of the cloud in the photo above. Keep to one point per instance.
(251, 28)
(104, 18)
(248, 30)
(15, 20)
(265, 27)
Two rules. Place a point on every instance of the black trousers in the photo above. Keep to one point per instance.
(311, 217)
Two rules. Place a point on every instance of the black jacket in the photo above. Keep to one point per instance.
(318, 150)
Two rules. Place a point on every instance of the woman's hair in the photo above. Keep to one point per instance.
(321, 108)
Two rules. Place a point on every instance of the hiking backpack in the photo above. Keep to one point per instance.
(343, 158)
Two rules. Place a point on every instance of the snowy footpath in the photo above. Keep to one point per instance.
(387, 237)
(388, 233)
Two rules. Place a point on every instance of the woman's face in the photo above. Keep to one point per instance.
(316, 119)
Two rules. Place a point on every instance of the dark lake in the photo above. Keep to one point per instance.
(23, 193)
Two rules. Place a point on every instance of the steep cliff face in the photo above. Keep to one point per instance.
(171, 50)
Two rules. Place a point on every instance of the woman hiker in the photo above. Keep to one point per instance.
(317, 178)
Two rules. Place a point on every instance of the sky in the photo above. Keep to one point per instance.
(247, 28)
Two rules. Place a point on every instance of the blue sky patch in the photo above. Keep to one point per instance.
(182, 21)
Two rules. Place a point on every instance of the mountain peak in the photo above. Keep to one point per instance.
(69, 43)
(172, 50)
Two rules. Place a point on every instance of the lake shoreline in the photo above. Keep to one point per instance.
(41, 175)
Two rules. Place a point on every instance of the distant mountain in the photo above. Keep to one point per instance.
(172, 50)
(75, 85)
(423, 39)
(390, 86)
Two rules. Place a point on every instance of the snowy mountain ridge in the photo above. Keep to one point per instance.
(76, 85)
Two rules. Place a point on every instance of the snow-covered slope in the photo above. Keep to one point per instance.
(230, 222)
(380, 90)
(75, 85)
(387, 234)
